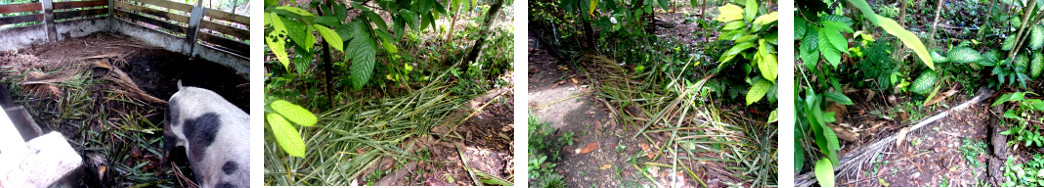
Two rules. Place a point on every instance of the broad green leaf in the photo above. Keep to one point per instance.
(750, 10)
(293, 112)
(839, 98)
(594, 5)
(799, 154)
(729, 12)
(799, 28)
(1007, 98)
(768, 65)
(733, 25)
(732, 52)
(834, 37)
(286, 135)
(1010, 114)
(300, 33)
(295, 10)
(767, 19)
(773, 117)
(411, 19)
(275, 40)
(363, 55)
(758, 91)
(963, 55)
(331, 37)
(825, 173)
(909, 39)
(1036, 37)
(830, 53)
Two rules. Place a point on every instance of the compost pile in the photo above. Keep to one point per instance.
(107, 94)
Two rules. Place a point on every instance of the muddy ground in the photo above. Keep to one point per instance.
(116, 132)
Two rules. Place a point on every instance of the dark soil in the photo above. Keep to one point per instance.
(100, 126)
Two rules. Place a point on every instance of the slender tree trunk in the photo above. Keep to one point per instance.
(491, 15)
(453, 25)
(902, 14)
(1022, 30)
(327, 64)
(938, 12)
(986, 22)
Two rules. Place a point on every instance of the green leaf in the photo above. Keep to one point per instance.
(1010, 114)
(799, 155)
(732, 52)
(733, 25)
(1016, 96)
(830, 53)
(286, 135)
(728, 13)
(293, 112)
(909, 39)
(766, 19)
(275, 40)
(963, 55)
(411, 19)
(1009, 43)
(834, 37)
(750, 10)
(295, 10)
(924, 83)
(939, 58)
(364, 53)
(331, 37)
(300, 33)
(1037, 36)
(825, 173)
(839, 98)
(758, 91)
(768, 65)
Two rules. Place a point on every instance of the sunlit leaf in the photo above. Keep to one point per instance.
(330, 36)
(293, 112)
(758, 91)
(286, 135)
(275, 40)
(295, 10)
(728, 13)
(825, 173)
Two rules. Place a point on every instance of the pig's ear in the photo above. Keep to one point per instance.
(179, 85)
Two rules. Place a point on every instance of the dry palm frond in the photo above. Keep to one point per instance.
(120, 78)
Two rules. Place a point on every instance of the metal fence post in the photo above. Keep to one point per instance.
(193, 29)
(112, 18)
(48, 9)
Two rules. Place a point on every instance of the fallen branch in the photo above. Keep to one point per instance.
(855, 159)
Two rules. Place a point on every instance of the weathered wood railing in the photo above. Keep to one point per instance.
(193, 30)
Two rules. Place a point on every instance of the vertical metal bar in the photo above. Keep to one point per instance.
(193, 29)
(48, 9)
(112, 18)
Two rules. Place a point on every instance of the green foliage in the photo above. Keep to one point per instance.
(362, 34)
(893, 28)
(1027, 174)
(1036, 65)
(543, 155)
(825, 173)
(755, 42)
(1036, 37)
(924, 83)
(1022, 131)
(277, 114)
(878, 65)
(971, 149)
(963, 55)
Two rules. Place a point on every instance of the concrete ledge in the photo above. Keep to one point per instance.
(22, 37)
(49, 159)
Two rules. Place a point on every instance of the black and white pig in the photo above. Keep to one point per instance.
(215, 134)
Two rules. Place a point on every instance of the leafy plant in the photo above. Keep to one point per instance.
(279, 114)
(1024, 175)
(755, 40)
(1021, 130)
(357, 39)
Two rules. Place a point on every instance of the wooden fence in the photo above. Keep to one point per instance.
(196, 25)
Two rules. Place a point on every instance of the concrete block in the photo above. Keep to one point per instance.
(47, 160)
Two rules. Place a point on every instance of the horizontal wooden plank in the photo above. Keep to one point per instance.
(80, 13)
(168, 4)
(229, 30)
(78, 4)
(222, 15)
(21, 19)
(25, 7)
(158, 13)
(233, 46)
(135, 17)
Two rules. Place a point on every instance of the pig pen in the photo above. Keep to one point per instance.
(73, 87)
